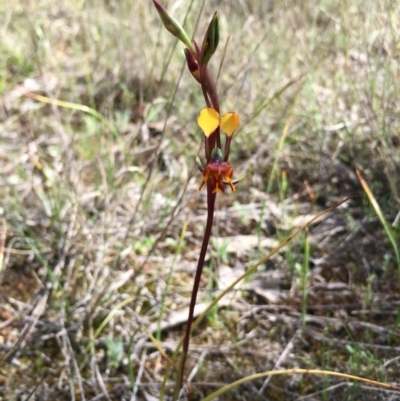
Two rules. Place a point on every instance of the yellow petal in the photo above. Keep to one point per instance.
(208, 120)
(230, 123)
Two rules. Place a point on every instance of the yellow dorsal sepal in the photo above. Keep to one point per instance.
(208, 120)
(230, 123)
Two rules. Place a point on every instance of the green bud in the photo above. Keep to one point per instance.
(210, 41)
(216, 155)
(173, 26)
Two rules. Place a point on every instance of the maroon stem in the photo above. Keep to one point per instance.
(209, 86)
(211, 89)
(227, 148)
(200, 264)
(207, 148)
(211, 98)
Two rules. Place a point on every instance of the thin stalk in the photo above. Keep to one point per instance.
(228, 140)
(389, 232)
(75, 106)
(211, 88)
(2, 245)
(304, 281)
(229, 387)
(200, 264)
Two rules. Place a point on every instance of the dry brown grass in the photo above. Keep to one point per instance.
(94, 219)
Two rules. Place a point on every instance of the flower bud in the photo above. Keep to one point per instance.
(173, 26)
(192, 64)
(210, 41)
